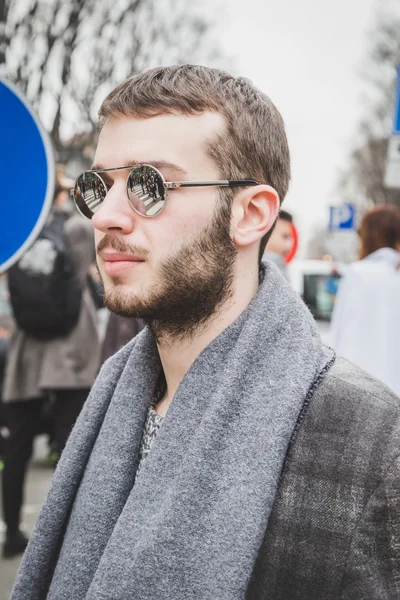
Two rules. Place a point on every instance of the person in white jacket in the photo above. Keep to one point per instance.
(365, 326)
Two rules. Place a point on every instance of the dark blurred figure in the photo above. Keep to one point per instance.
(281, 241)
(118, 333)
(62, 369)
(6, 327)
(3, 355)
(365, 324)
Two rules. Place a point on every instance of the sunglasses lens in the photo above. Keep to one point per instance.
(146, 190)
(89, 193)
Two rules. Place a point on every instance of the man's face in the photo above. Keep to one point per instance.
(175, 268)
(281, 240)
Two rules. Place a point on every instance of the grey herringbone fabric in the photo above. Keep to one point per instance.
(334, 531)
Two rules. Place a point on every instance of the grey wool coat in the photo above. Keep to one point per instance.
(34, 366)
(334, 530)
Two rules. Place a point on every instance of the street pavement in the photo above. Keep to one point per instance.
(38, 482)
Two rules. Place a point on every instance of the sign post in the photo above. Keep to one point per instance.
(27, 169)
(341, 240)
(392, 173)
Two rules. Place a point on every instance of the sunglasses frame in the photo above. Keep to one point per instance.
(168, 185)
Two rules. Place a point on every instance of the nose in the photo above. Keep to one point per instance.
(115, 214)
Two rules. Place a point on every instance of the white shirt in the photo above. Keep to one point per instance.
(365, 326)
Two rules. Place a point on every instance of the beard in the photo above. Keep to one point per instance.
(192, 284)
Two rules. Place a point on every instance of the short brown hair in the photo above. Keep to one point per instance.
(380, 228)
(254, 144)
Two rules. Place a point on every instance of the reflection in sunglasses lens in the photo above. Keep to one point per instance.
(90, 192)
(146, 190)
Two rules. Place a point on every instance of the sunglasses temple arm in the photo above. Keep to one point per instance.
(184, 184)
(223, 183)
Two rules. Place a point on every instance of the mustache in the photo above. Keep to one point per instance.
(120, 245)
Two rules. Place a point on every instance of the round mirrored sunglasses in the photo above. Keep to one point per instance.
(146, 189)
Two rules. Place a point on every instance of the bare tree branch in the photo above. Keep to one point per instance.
(67, 55)
(4, 6)
(362, 180)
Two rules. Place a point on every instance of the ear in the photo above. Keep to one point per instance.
(254, 211)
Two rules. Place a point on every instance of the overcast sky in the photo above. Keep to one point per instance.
(307, 56)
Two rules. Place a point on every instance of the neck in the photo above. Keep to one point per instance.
(178, 354)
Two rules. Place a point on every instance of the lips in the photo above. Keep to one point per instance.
(115, 263)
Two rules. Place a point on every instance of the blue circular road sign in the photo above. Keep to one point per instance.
(27, 169)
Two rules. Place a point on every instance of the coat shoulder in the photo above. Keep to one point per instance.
(353, 410)
(347, 381)
(343, 451)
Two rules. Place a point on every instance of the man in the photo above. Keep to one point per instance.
(62, 368)
(224, 453)
(281, 241)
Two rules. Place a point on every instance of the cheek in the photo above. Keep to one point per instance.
(188, 212)
(98, 235)
(179, 231)
(166, 240)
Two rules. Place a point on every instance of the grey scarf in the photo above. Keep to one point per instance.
(193, 522)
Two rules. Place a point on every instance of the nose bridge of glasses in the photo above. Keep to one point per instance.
(110, 176)
(109, 170)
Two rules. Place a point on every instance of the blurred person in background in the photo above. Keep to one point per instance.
(365, 326)
(119, 331)
(4, 336)
(280, 242)
(6, 326)
(62, 368)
